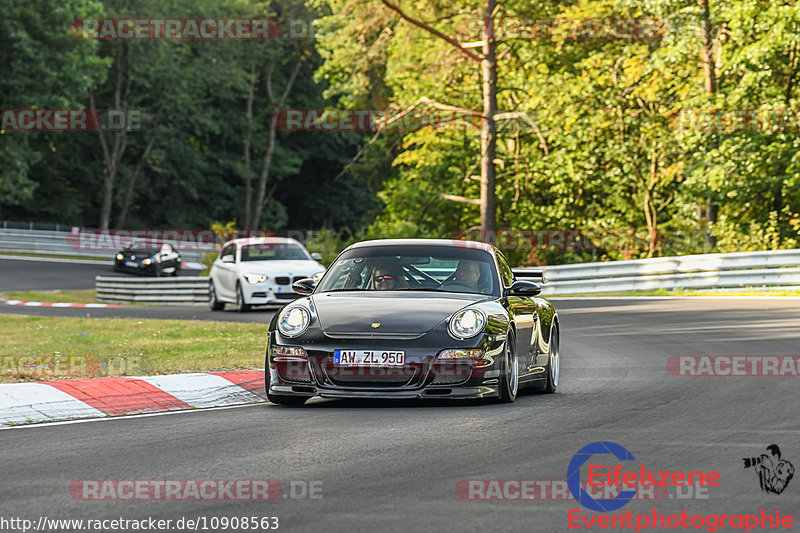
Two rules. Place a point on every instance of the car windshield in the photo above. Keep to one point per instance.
(141, 249)
(273, 251)
(412, 268)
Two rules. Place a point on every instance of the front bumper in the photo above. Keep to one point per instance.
(140, 268)
(268, 292)
(422, 376)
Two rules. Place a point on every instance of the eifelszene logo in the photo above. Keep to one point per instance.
(774, 473)
(617, 477)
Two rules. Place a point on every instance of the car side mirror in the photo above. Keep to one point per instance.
(523, 288)
(316, 256)
(304, 286)
(227, 259)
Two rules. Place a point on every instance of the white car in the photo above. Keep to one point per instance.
(259, 271)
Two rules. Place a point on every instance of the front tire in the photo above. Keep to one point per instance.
(286, 400)
(509, 378)
(240, 305)
(213, 303)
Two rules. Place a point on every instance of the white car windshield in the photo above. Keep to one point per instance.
(274, 251)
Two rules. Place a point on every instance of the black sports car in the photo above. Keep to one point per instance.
(413, 318)
(149, 260)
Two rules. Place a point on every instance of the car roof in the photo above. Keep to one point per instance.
(261, 240)
(450, 243)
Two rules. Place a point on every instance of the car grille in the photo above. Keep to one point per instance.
(298, 278)
(448, 379)
(371, 377)
(286, 295)
(450, 374)
(282, 280)
(294, 371)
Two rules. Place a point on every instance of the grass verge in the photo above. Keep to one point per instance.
(88, 296)
(43, 348)
(683, 292)
(58, 256)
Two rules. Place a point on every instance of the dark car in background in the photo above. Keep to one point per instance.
(149, 260)
(413, 319)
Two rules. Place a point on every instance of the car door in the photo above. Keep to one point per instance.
(225, 267)
(523, 308)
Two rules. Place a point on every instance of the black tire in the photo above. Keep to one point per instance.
(286, 400)
(553, 362)
(509, 377)
(159, 273)
(213, 303)
(240, 305)
(177, 271)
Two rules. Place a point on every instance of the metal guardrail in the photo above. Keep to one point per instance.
(182, 290)
(43, 242)
(773, 268)
(56, 242)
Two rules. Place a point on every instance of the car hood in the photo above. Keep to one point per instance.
(138, 254)
(404, 313)
(281, 267)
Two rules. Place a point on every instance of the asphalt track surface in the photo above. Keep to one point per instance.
(32, 274)
(394, 466)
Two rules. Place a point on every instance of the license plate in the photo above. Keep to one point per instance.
(368, 358)
(131, 263)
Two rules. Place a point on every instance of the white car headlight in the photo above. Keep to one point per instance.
(294, 321)
(318, 276)
(467, 323)
(255, 278)
(120, 257)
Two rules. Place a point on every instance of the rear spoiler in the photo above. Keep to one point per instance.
(529, 273)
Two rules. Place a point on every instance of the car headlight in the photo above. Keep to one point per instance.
(147, 261)
(461, 353)
(467, 323)
(288, 351)
(255, 278)
(293, 321)
(120, 257)
(318, 276)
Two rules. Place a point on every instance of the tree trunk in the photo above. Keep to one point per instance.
(489, 128)
(708, 50)
(139, 164)
(248, 139)
(710, 76)
(112, 157)
(261, 199)
(711, 217)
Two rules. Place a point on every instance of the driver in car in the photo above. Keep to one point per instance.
(467, 273)
(388, 277)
